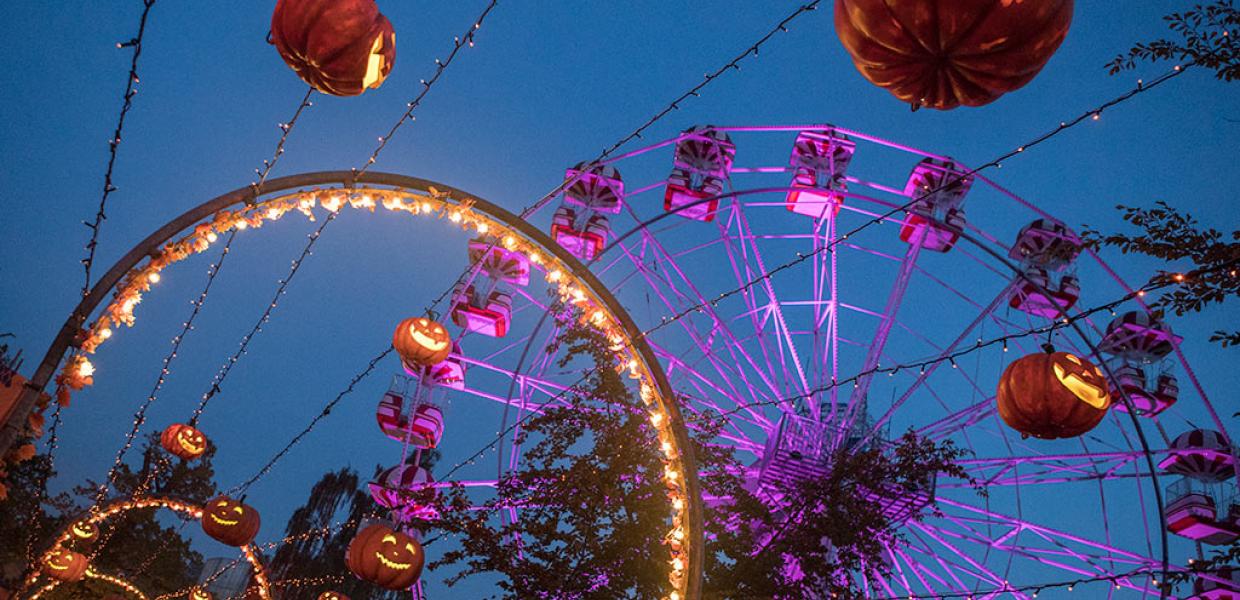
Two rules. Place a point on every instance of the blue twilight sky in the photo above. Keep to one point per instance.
(548, 84)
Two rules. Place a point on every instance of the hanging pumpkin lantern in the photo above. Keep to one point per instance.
(339, 47)
(84, 533)
(1052, 395)
(230, 521)
(64, 565)
(183, 441)
(944, 53)
(332, 596)
(422, 342)
(385, 557)
(201, 594)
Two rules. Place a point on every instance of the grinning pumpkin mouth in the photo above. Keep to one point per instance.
(1084, 391)
(426, 341)
(188, 445)
(374, 64)
(57, 567)
(391, 564)
(82, 533)
(224, 522)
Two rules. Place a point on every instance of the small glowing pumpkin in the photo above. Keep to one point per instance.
(1052, 395)
(183, 441)
(385, 557)
(201, 594)
(64, 565)
(329, 595)
(230, 522)
(422, 342)
(84, 532)
(339, 47)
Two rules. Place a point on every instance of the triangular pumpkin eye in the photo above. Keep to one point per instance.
(1072, 359)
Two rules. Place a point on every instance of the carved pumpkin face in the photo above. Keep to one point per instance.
(64, 564)
(385, 557)
(332, 596)
(230, 522)
(1051, 396)
(201, 594)
(340, 47)
(84, 532)
(184, 441)
(1086, 383)
(421, 341)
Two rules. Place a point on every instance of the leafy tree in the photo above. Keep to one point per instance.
(22, 513)
(1206, 38)
(1212, 259)
(592, 504)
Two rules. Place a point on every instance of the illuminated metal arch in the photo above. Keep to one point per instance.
(122, 506)
(91, 573)
(333, 190)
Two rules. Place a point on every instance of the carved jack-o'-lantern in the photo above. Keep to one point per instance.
(422, 342)
(201, 594)
(183, 441)
(944, 53)
(84, 532)
(332, 596)
(64, 565)
(1053, 395)
(340, 47)
(230, 522)
(387, 558)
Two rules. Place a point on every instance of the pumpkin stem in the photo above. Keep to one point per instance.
(1048, 347)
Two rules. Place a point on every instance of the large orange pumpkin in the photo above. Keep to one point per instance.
(1053, 395)
(944, 53)
(385, 557)
(422, 342)
(340, 47)
(64, 565)
(230, 522)
(183, 441)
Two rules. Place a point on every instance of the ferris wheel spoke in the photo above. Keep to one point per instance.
(731, 345)
(1061, 543)
(776, 309)
(980, 570)
(917, 544)
(1052, 469)
(923, 571)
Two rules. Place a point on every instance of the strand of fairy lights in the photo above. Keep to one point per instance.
(263, 173)
(674, 105)
(131, 83)
(459, 42)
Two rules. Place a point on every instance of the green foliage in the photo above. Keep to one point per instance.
(22, 514)
(1167, 234)
(1207, 38)
(591, 503)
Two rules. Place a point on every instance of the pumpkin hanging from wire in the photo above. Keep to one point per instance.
(1052, 395)
(339, 47)
(945, 53)
(421, 342)
(385, 557)
(183, 441)
(230, 521)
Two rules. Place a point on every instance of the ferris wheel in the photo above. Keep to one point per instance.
(745, 253)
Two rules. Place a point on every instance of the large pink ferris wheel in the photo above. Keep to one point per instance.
(857, 338)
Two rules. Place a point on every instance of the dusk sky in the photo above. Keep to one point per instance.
(547, 85)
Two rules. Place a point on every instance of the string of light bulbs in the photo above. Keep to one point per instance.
(441, 65)
(732, 65)
(131, 83)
